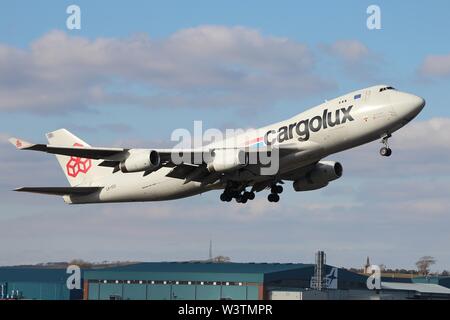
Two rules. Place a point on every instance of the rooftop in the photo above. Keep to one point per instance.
(429, 288)
(209, 267)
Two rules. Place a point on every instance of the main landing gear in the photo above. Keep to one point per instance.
(385, 151)
(240, 196)
(274, 194)
(234, 191)
(245, 196)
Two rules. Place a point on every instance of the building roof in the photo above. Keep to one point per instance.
(203, 271)
(441, 280)
(207, 267)
(428, 288)
(23, 274)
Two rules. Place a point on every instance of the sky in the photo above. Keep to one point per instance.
(138, 70)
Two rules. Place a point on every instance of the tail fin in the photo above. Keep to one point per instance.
(79, 171)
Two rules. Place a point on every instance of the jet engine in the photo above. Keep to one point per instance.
(227, 159)
(142, 160)
(323, 173)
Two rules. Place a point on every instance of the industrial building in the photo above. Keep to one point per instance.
(35, 283)
(214, 281)
(178, 281)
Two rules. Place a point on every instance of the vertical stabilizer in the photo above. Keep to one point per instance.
(79, 171)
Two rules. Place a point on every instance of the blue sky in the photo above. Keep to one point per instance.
(410, 31)
(138, 70)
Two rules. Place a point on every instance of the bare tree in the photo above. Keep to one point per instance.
(221, 259)
(424, 263)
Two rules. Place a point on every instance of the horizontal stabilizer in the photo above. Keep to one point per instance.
(20, 144)
(61, 191)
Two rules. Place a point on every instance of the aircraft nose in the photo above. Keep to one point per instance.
(410, 106)
(417, 103)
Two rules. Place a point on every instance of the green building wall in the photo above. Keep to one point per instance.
(36, 284)
(144, 291)
(40, 290)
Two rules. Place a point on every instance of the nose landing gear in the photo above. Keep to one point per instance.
(385, 151)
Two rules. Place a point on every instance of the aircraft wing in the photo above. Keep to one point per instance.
(189, 170)
(108, 154)
(119, 154)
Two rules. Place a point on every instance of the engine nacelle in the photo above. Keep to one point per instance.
(320, 176)
(141, 160)
(227, 160)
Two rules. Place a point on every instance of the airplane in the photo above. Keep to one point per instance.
(108, 175)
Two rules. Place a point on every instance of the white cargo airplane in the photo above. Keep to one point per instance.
(99, 175)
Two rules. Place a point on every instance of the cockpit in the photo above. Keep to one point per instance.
(386, 88)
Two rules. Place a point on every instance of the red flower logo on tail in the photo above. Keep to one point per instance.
(77, 165)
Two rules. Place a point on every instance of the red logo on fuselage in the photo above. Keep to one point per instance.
(18, 144)
(78, 165)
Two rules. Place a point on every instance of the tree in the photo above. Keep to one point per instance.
(424, 263)
(221, 259)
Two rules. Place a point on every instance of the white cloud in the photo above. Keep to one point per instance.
(422, 135)
(421, 148)
(435, 66)
(349, 50)
(4, 138)
(355, 59)
(206, 66)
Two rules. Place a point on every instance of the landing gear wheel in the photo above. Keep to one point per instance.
(225, 197)
(273, 197)
(276, 189)
(385, 152)
(248, 195)
(389, 152)
(279, 189)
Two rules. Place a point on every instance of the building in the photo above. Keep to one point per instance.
(414, 290)
(178, 281)
(35, 283)
(213, 281)
(190, 280)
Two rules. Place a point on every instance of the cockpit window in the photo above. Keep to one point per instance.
(387, 88)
